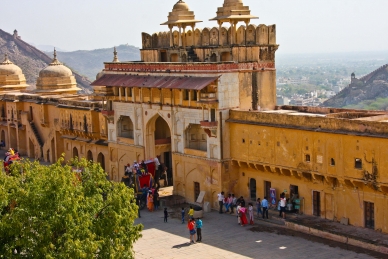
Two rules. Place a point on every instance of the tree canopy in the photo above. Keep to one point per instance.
(65, 211)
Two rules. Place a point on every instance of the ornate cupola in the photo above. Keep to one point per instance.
(232, 12)
(181, 17)
(11, 76)
(56, 79)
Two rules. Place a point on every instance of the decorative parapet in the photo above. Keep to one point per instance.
(184, 67)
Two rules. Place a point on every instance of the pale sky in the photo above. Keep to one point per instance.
(303, 26)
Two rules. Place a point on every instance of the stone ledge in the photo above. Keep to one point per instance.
(337, 238)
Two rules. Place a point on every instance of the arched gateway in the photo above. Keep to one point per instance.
(158, 143)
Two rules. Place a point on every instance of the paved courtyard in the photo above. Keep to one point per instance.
(224, 238)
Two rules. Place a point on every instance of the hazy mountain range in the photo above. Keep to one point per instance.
(90, 62)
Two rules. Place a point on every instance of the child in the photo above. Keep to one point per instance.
(183, 215)
(165, 215)
(191, 213)
(250, 212)
(191, 227)
(198, 224)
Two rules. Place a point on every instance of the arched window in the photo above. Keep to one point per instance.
(75, 152)
(101, 160)
(196, 137)
(125, 127)
(90, 156)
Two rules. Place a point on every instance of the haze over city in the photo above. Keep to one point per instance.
(303, 26)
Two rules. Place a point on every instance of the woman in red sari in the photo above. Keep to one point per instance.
(243, 217)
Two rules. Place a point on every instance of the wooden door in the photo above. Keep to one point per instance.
(369, 211)
(197, 190)
(267, 187)
(316, 203)
(329, 213)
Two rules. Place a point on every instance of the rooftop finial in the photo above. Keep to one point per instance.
(115, 58)
(55, 60)
(6, 60)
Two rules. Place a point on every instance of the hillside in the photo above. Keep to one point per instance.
(90, 62)
(363, 93)
(31, 60)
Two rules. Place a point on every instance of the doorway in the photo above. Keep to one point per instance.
(267, 189)
(316, 203)
(75, 152)
(252, 189)
(197, 190)
(369, 213)
(167, 162)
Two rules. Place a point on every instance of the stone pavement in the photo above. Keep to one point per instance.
(224, 238)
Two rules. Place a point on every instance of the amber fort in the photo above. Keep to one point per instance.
(204, 101)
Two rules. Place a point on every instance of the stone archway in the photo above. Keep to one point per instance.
(89, 156)
(159, 143)
(101, 160)
(75, 152)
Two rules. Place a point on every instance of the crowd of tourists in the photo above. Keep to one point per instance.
(245, 214)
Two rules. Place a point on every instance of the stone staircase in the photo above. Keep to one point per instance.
(36, 133)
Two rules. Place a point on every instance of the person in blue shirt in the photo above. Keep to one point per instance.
(198, 224)
(183, 215)
(264, 205)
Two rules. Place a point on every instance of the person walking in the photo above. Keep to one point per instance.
(228, 203)
(264, 205)
(191, 227)
(238, 213)
(183, 215)
(250, 213)
(283, 201)
(165, 215)
(221, 201)
(156, 199)
(198, 224)
(234, 203)
(258, 207)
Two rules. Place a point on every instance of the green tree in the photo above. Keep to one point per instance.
(65, 211)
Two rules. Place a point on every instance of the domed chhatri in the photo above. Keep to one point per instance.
(181, 17)
(234, 11)
(11, 76)
(56, 79)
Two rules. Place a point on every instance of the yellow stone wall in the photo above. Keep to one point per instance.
(277, 153)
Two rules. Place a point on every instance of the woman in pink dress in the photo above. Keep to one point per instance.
(243, 217)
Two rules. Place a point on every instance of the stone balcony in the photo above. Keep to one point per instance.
(208, 98)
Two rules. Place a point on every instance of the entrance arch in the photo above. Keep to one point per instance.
(75, 152)
(158, 143)
(101, 160)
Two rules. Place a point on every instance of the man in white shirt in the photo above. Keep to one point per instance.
(221, 201)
